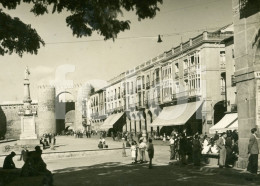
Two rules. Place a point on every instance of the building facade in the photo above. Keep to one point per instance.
(195, 72)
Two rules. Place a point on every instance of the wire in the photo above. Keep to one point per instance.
(145, 37)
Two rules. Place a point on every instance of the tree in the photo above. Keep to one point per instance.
(87, 16)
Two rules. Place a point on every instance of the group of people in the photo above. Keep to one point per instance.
(33, 165)
(190, 149)
(140, 149)
(48, 140)
(102, 143)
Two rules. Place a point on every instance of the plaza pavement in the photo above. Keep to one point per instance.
(109, 167)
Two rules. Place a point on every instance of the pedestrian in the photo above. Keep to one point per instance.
(136, 152)
(50, 137)
(133, 152)
(222, 150)
(142, 148)
(228, 149)
(8, 162)
(113, 136)
(164, 137)
(24, 154)
(183, 149)
(150, 150)
(172, 156)
(196, 151)
(54, 140)
(253, 152)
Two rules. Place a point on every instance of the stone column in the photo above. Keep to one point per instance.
(246, 18)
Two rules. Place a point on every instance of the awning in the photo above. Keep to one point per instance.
(110, 121)
(176, 115)
(228, 122)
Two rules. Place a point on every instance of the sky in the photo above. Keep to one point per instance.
(92, 58)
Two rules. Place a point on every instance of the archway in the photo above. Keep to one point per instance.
(219, 111)
(65, 111)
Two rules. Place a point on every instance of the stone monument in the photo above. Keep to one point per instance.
(28, 128)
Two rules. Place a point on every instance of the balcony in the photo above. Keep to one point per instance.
(185, 72)
(148, 85)
(176, 75)
(120, 109)
(94, 115)
(157, 80)
(194, 92)
(233, 81)
(139, 105)
(132, 105)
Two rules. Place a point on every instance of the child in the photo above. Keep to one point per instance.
(133, 152)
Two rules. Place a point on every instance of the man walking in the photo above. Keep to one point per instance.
(150, 150)
(222, 150)
(253, 152)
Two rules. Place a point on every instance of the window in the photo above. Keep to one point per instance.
(222, 56)
(127, 87)
(177, 87)
(185, 64)
(192, 60)
(176, 67)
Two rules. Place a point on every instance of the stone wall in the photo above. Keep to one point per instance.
(10, 121)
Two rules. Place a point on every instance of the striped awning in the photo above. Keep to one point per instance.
(228, 122)
(111, 120)
(177, 114)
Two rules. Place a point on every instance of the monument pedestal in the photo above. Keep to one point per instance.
(28, 135)
(28, 130)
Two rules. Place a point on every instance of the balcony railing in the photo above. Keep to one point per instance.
(194, 67)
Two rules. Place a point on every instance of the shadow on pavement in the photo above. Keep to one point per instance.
(115, 173)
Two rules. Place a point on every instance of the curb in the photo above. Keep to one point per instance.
(6, 141)
(70, 154)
